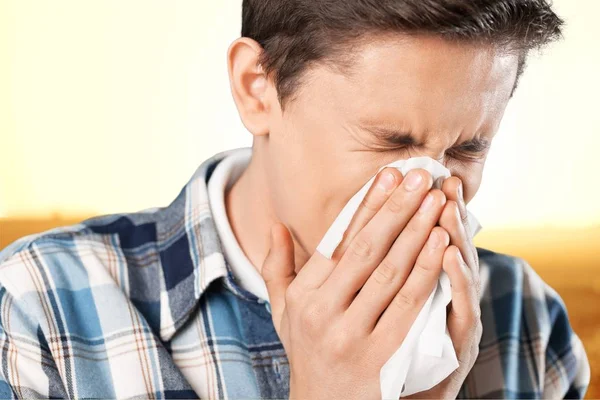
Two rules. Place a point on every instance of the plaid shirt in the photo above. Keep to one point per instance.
(144, 305)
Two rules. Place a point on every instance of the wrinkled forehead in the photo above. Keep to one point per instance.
(427, 82)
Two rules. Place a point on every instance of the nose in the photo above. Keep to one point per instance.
(440, 158)
(437, 155)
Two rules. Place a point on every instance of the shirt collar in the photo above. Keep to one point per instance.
(190, 250)
(227, 172)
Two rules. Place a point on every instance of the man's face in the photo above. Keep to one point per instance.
(404, 97)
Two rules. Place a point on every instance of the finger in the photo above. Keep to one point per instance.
(314, 273)
(420, 245)
(453, 189)
(385, 183)
(450, 220)
(278, 270)
(372, 243)
(464, 312)
(408, 302)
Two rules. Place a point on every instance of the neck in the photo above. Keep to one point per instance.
(251, 214)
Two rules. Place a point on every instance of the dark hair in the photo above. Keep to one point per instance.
(296, 33)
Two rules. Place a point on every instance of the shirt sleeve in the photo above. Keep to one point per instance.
(567, 369)
(27, 367)
(6, 391)
(528, 348)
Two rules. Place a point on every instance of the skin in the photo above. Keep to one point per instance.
(334, 317)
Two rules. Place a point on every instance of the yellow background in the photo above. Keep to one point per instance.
(110, 106)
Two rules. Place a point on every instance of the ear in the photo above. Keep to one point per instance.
(251, 89)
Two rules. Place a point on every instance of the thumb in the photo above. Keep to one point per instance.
(278, 269)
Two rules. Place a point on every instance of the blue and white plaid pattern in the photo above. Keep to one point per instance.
(143, 305)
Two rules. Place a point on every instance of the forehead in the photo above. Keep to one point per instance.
(426, 82)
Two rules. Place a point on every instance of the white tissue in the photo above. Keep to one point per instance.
(426, 356)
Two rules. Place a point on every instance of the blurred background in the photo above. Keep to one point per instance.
(110, 107)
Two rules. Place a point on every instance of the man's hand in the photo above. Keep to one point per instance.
(462, 266)
(340, 320)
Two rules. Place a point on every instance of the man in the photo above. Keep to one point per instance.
(222, 294)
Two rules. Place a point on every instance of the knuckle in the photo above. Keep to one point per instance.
(290, 296)
(370, 203)
(308, 323)
(361, 248)
(341, 345)
(311, 317)
(385, 272)
(425, 268)
(395, 203)
(404, 301)
(443, 235)
(306, 318)
(413, 227)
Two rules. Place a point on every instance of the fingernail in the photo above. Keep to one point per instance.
(386, 181)
(434, 240)
(413, 181)
(427, 203)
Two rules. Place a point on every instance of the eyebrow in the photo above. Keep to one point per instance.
(397, 137)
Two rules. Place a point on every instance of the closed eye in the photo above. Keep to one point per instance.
(387, 139)
(473, 149)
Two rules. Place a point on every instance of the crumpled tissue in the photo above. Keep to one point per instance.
(426, 356)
